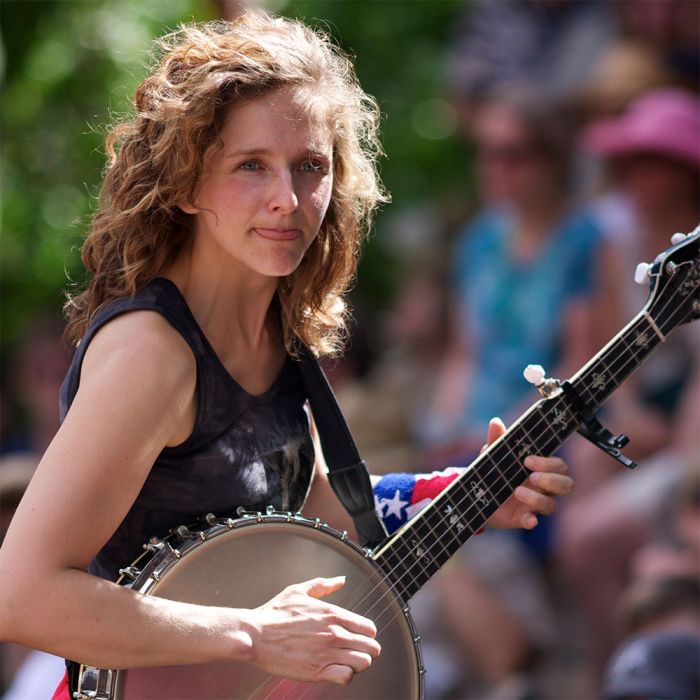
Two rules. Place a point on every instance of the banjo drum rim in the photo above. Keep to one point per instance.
(160, 557)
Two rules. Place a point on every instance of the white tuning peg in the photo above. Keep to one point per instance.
(642, 273)
(677, 238)
(534, 374)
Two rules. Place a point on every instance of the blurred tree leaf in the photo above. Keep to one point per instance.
(70, 65)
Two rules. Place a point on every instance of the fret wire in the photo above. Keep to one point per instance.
(418, 569)
(434, 522)
(495, 469)
(406, 580)
(514, 472)
(392, 563)
(503, 466)
(454, 515)
(561, 425)
(477, 488)
(436, 517)
(537, 423)
(507, 458)
(547, 414)
(437, 524)
(639, 340)
(600, 378)
(456, 539)
(455, 542)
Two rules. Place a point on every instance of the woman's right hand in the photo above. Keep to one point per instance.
(298, 636)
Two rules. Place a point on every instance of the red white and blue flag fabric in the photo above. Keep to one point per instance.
(398, 497)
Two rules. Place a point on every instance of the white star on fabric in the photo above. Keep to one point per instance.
(394, 505)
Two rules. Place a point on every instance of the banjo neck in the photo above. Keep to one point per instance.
(419, 549)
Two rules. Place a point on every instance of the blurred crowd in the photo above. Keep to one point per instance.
(584, 118)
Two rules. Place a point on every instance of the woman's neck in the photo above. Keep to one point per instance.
(231, 307)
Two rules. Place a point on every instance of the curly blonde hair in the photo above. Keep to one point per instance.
(156, 160)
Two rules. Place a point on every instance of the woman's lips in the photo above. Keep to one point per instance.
(279, 234)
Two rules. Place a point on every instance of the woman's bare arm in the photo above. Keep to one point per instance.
(135, 397)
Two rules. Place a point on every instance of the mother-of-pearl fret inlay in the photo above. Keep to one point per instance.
(453, 518)
(479, 493)
(524, 449)
(417, 549)
(600, 379)
(641, 340)
(559, 419)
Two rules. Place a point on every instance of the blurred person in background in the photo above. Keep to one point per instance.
(522, 273)
(522, 291)
(671, 27)
(665, 600)
(658, 653)
(658, 650)
(623, 72)
(653, 153)
(652, 158)
(674, 550)
(661, 665)
(545, 45)
(32, 386)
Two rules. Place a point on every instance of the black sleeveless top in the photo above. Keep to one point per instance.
(244, 450)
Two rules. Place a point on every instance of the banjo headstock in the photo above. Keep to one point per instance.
(674, 282)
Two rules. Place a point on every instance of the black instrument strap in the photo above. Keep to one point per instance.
(347, 473)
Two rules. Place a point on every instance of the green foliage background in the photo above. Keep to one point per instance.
(72, 65)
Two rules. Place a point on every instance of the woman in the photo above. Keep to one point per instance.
(228, 226)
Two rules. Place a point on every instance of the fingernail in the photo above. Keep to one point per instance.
(535, 477)
(529, 462)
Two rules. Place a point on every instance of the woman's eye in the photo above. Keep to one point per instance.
(313, 167)
(250, 165)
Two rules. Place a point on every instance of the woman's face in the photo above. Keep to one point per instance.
(262, 199)
(511, 169)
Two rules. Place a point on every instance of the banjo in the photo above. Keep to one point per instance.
(202, 563)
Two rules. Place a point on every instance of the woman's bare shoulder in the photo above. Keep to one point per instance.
(145, 338)
(141, 350)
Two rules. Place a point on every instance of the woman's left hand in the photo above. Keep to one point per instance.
(537, 494)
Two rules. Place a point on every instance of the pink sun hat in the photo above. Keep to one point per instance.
(665, 122)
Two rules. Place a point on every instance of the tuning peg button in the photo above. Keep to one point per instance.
(677, 238)
(642, 273)
(534, 374)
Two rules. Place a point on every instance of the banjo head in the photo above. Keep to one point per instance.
(243, 563)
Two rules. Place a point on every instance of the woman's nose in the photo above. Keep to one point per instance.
(283, 197)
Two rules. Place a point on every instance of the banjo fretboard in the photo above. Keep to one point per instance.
(418, 550)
